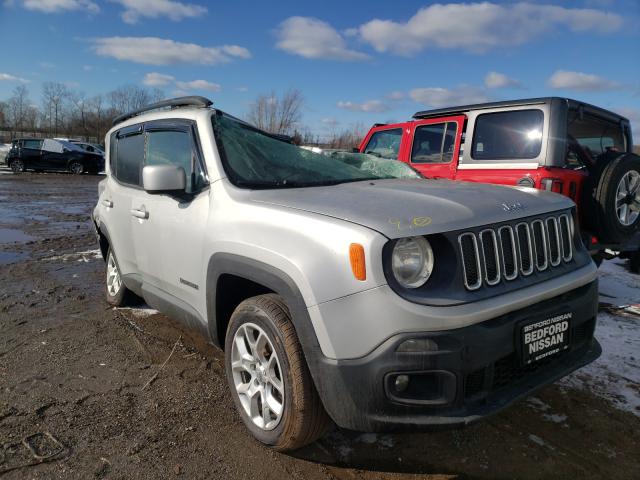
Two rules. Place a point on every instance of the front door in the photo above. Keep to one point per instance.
(435, 146)
(169, 230)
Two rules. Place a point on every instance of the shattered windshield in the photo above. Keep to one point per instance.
(255, 159)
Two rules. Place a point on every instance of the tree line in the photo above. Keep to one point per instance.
(65, 112)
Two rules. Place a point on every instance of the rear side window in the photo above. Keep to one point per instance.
(34, 144)
(175, 147)
(385, 143)
(129, 157)
(509, 135)
(596, 135)
(434, 143)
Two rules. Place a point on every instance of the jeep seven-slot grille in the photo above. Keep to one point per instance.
(494, 255)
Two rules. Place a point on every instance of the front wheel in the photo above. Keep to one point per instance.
(269, 379)
(76, 168)
(17, 166)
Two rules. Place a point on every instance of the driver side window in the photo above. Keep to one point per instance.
(175, 147)
(385, 143)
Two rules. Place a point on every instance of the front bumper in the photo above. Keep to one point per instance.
(479, 366)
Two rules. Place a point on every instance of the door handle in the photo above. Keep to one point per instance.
(143, 214)
(107, 203)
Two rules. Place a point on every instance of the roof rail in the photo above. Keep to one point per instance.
(190, 101)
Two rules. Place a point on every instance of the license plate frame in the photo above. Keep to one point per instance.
(540, 339)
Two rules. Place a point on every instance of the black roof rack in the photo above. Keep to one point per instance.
(379, 124)
(190, 101)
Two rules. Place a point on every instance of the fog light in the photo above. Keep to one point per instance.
(401, 383)
(417, 345)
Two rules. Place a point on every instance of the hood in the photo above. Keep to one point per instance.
(398, 208)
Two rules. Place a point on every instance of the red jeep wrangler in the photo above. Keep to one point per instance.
(556, 144)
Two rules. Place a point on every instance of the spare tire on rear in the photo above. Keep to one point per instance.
(616, 199)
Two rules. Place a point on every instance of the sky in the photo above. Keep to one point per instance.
(355, 62)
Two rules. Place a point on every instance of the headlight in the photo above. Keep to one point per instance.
(412, 261)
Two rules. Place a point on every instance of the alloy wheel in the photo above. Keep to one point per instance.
(17, 166)
(76, 168)
(628, 198)
(257, 376)
(114, 283)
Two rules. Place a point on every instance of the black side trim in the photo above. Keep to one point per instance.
(174, 308)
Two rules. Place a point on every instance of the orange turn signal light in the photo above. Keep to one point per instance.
(358, 265)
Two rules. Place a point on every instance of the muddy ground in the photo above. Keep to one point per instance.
(72, 372)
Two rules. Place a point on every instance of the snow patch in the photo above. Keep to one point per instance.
(615, 376)
(537, 440)
(85, 256)
(140, 312)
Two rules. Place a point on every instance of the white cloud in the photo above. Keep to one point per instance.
(483, 26)
(176, 11)
(396, 95)
(5, 77)
(199, 85)
(54, 6)
(313, 38)
(445, 97)
(242, 89)
(563, 79)
(368, 106)
(330, 122)
(500, 80)
(155, 79)
(160, 51)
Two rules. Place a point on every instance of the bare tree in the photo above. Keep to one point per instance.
(17, 107)
(132, 97)
(348, 138)
(277, 115)
(54, 98)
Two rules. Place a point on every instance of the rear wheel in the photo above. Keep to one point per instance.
(617, 199)
(76, 168)
(268, 376)
(17, 166)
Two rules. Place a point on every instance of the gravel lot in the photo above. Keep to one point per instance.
(72, 372)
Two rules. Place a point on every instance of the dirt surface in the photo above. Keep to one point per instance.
(72, 372)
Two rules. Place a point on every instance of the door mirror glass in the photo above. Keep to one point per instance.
(164, 178)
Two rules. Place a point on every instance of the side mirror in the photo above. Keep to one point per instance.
(355, 150)
(164, 178)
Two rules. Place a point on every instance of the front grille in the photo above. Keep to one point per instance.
(492, 256)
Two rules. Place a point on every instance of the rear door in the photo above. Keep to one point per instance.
(435, 146)
(31, 153)
(126, 158)
(168, 230)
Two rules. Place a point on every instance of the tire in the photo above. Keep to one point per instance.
(117, 294)
(302, 419)
(17, 166)
(617, 192)
(76, 168)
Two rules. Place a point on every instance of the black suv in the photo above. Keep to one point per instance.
(49, 154)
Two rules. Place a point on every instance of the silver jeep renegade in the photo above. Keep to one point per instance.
(344, 288)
